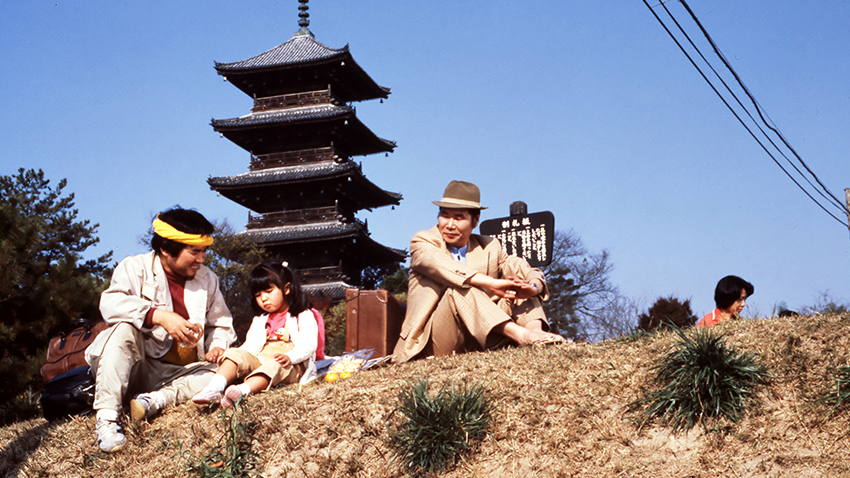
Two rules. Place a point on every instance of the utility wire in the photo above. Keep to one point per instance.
(828, 196)
(675, 40)
(758, 107)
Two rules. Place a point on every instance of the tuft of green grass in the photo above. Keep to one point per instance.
(437, 430)
(234, 455)
(702, 378)
(840, 395)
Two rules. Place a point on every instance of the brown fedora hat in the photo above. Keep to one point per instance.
(461, 195)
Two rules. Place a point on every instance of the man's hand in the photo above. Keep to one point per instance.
(524, 289)
(503, 288)
(283, 360)
(214, 354)
(510, 288)
(177, 327)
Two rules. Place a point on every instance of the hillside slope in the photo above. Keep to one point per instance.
(560, 411)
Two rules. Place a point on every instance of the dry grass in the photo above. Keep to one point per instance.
(560, 411)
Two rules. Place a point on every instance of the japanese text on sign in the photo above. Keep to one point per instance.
(529, 236)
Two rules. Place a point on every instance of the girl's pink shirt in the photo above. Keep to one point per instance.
(275, 321)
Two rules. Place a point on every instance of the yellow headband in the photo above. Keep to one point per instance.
(167, 231)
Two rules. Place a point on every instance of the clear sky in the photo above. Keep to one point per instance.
(585, 109)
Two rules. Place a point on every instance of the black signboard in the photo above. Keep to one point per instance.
(529, 236)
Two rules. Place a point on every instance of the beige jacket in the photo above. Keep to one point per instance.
(139, 284)
(430, 257)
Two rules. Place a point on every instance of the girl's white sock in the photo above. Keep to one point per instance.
(245, 389)
(217, 384)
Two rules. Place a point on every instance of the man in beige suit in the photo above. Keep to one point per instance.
(465, 293)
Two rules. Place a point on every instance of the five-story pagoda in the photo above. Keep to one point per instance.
(302, 185)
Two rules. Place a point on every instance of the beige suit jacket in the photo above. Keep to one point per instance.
(433, 270)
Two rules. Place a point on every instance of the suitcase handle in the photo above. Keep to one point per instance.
(355, 293)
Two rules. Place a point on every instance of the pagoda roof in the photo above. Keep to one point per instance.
(310, 244)
(288, 115)
(303, 127)
(302, 64)
(298, 187)
(332, 290)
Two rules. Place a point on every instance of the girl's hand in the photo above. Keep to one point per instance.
(283, 360)
(214, 354)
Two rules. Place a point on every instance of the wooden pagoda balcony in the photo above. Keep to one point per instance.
(294, 100)
(294, 158)
(322, 275)
(300, 217)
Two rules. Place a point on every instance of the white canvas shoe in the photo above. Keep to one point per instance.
(110, 435)
(144, 406)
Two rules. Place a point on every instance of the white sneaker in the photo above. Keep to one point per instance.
(144, 406)
(110, 436)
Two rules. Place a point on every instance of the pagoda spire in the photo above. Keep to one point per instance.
(304, 18)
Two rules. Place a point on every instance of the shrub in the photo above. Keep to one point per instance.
(234, 456)
(437, 430)
(701, 378)
(667, 311)
(335, 329)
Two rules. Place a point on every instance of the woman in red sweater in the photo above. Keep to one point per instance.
(730, 296)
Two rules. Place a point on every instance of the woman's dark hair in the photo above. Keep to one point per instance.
(184, 220)
(728, 291)
(265, 275)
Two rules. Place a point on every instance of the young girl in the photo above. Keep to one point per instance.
(280, 345)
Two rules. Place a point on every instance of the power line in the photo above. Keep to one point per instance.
(758, 107)
(830, 198)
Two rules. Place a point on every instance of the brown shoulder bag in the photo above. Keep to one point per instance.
(67, 350)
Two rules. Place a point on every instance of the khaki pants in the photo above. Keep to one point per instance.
(464, 318)
(248, 365)
(122, 369)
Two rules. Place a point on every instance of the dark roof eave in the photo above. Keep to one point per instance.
(224, 69)
(295, 175)
(294, 115)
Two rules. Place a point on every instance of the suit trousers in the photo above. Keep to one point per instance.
(122, 369)
(464, 318)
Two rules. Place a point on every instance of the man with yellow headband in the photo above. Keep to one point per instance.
(168, 327)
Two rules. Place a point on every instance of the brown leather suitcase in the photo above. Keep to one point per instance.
(373, 319)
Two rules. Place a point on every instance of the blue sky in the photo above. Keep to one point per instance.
(585, 109)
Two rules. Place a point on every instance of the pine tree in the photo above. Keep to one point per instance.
(44, 282)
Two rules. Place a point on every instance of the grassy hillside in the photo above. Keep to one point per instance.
(559, 411)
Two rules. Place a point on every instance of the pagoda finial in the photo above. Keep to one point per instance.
(304, 15)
